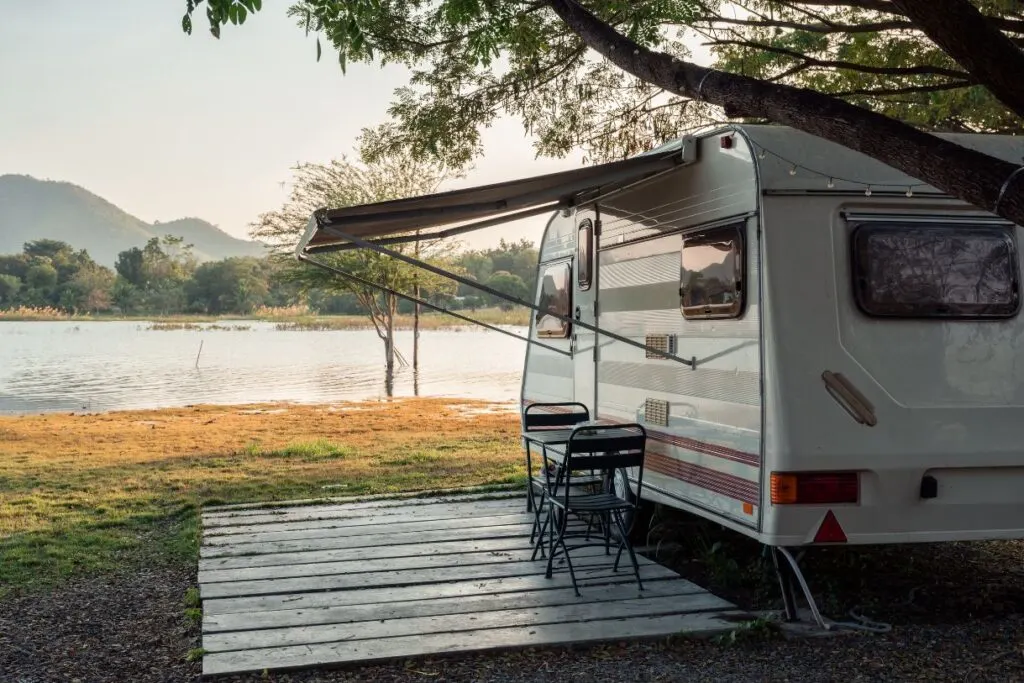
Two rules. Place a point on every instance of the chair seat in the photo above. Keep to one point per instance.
(594, 502)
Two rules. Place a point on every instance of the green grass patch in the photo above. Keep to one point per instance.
(82, 495)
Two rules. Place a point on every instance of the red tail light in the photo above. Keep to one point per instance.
(814, 488)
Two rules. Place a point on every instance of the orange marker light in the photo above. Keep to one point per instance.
(748, 509)
(784, 488)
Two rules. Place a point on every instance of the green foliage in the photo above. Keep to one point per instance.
(242, 285)
(50, 273)
(343, 183)
(865, 57)
(472, 62)
(507, 283)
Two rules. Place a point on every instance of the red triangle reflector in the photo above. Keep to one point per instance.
(830, 531)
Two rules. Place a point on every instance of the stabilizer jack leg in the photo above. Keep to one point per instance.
(788, 571)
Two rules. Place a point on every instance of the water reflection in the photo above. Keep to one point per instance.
(62, 366)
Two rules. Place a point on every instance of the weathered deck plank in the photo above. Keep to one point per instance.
(358, 525)
(348, 583)
(601, 577)
(401, 564)
(466, 604)
(362, 553)
(451, 623)
(342, 512)
(297, 656)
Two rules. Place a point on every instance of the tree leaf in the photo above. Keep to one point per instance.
(319, 50)
(186, 24)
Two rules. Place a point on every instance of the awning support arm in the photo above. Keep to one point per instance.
(692, 362)
(421, 302)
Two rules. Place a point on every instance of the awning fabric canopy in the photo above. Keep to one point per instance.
(515, 198)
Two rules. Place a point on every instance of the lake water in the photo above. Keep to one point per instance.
(98, 366)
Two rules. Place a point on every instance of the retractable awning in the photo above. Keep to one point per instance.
(374, 226)
(474, 208)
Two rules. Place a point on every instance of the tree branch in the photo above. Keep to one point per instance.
(966, 35)
(907, 90)
(892, 7)
(921, 70)
(875, 27)
(971, 176)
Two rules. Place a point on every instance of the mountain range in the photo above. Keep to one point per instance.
(32, 209)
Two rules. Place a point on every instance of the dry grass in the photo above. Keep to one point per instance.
(428, 321)
(29, 313)
(87, 493)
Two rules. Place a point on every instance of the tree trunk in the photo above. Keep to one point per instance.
(968, 175)
(967, 36)
(389, 346)
(416, 314)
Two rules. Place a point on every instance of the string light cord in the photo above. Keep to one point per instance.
(794, 168)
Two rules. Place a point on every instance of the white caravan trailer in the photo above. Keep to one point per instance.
(822, 349)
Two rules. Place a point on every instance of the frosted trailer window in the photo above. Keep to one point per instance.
(711, 274)
(554, 297)
(935, 271)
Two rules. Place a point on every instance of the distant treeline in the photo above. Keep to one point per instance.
(164, 278)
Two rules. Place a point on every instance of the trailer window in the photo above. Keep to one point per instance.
(711, 275)
(584, 238)
(554, 298)
(935, 271)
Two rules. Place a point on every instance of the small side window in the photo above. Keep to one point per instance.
(935, 271)
(584, 240)
(712, 273)
(555, 297)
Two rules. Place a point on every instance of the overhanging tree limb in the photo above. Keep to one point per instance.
(967, 36)
(966, 174)
(916, 70)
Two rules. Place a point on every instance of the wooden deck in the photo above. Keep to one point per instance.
(336, 584)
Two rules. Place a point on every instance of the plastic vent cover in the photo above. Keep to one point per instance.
(656, 412)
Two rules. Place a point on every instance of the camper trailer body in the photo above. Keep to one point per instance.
(840, 369)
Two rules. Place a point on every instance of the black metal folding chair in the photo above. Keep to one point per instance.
(590, 448)
(539, 417)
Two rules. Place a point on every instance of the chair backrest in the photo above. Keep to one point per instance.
(606, 447)
(566, 415)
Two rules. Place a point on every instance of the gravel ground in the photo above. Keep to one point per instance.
(129, 629)
(132, 629)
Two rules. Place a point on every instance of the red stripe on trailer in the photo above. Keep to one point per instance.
(722, 483)
(702, 447)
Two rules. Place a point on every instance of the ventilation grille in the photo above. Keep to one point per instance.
(661, 342)
(656, 412)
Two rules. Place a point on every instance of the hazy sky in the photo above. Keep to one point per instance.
(113, 96)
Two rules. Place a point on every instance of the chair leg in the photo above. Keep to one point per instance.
(629, 547)
(539, 505)
(606, 522)
(529, 481)
(563, 517)
(551, 539)
(539, 543)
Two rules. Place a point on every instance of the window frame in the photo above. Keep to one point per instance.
(585, 261)
(739, 307)
(860, 264)
(566, 325)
